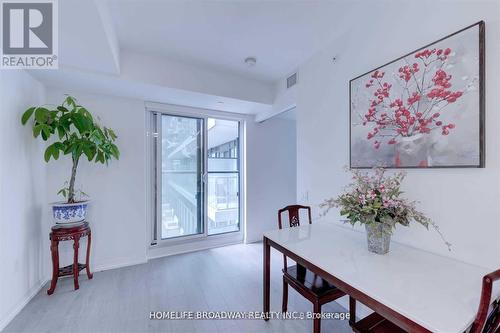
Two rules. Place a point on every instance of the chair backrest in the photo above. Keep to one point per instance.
(293, 220)
(487, 323)
(293, 215)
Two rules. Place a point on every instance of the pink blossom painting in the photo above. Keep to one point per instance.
(423, 110)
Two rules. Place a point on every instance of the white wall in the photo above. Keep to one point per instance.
(271, 173)
(177, 75)
(118, 210)
(23, 228)
(285, 99)
(464, 202)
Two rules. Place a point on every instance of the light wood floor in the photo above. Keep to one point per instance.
(120, 300)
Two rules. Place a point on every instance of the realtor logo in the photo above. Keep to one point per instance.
(29, 34)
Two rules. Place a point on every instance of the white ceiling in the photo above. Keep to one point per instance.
(221, 34)
(191, 52)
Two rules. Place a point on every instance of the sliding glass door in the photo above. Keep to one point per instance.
(181, 176)
(223, 176)
(196, 177)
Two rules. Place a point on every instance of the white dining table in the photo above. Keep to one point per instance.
(417, 290)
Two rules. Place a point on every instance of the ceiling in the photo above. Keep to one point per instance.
(221, 34)
(191, 52)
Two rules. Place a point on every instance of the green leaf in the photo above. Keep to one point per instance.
(62, 191)
(98, 136)
(58, 146)
(70, 101)
(61, 132)
(55, 153)
(42, 128)
(100, 157)
(41, 115)
(112, 134)
(46, 131)
(83, 111)
(114, 151)
(36, 130)
(48, 153)
(79, 150)
(89, 151)
(82, 123)
(62, 109)
(26, 115)
(65, 120)
(52, 117)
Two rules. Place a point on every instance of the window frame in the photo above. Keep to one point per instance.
(154, 173)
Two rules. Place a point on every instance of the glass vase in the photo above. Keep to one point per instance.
(378, 236)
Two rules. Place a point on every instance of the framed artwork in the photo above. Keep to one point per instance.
(423, 110)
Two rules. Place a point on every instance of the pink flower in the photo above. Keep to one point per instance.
(394, 116)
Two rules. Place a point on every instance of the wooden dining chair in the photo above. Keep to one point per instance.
(484, 323)
(487, 323)
(306, 283)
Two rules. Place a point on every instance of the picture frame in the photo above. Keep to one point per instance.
(425, 109)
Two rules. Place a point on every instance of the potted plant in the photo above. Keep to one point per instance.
(374, 200)
(72, 130)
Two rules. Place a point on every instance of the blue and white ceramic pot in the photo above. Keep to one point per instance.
(69, 212)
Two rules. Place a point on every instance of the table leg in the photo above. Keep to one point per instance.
(317, 321)
(87, 260)
(76, 271)
(54, 250)
(267, 277)
(352, 311)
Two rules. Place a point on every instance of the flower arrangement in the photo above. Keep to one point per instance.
(374, 199)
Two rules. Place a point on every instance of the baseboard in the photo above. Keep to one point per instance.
(117, 264)
(31, 293)
(185, 248)
(36, 289)
(251, 241)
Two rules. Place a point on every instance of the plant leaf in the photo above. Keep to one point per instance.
(26, 115)
(70, 101)
(46, 131)
(89, 151)
(36, 130)
(82, 123)
(112, 134)
(83, 111)
(114, 151)
(61, 131)
(58, 146)
(48, 153)
(41, 115)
